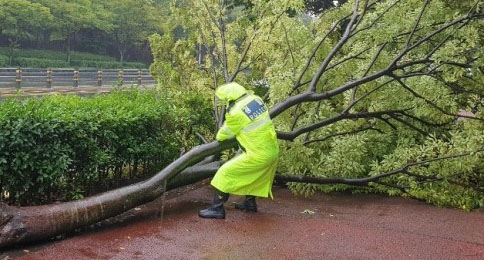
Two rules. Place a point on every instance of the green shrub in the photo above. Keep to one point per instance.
(46, 63)
(3, 61)
(45, 59)
(106, 64)
(57, 55)
(38, 54)
(67, 147)
(134, 65)
(39, 63)
(91, 56)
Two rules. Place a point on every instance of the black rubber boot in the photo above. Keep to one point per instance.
(217, 209)
(248, 204)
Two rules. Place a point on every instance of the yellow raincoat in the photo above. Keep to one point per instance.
(247, 118)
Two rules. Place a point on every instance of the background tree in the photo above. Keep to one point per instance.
(369, 94)
(21, 20)
(116, 27)
(132, 22)
(72, 16)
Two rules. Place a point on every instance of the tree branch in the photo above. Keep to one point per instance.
(202, 138)
(435, 177)
(212, 57)
(422, 132)
(429, 36)
(290, 136)
(296, 116)
(377, 18)
(310, 96)
(417, 22)
(347, 59)
(432, 104)
(354, 102)
(401, 188)
(239, 63)
(246, 50)
(297, 84)
(336, 48)
(353, 94)
(225, 61)
(364, 181)
(288, 44)
(342, 133)
(365, 8)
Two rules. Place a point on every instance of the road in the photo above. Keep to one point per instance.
(336, 226)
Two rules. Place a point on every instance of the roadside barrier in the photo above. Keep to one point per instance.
(56, 77)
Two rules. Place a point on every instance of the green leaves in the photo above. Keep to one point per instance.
(432, 81)
(22, 19)
(67, 147)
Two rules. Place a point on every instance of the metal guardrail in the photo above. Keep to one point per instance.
(64, 77)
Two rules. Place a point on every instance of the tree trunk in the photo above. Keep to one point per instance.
(26, 224)
(12, 48)
(200, 54)
(68, 50)
(122, 51)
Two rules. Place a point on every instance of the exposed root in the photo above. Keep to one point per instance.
(5, 214)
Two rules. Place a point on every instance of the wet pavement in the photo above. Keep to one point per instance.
(336, 226)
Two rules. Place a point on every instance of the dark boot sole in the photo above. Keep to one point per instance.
(243, 208)
(207, 213)
(212, 217)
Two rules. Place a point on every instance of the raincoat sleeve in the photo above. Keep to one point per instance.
(231, 127)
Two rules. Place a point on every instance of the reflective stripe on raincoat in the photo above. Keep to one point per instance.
(247, 118)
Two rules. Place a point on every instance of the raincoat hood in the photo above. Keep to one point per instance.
(230, 91)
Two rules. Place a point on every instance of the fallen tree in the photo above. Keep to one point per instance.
(397, 69)
(24, 224)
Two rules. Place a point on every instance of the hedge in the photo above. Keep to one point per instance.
(39, 63)
(67, 147)
(56, 55)
(45, 63)
(107, 64)
(55, 59)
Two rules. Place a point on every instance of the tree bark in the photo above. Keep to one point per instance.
(121, 55)
(26, 224)
(69, 50)
(12, 46)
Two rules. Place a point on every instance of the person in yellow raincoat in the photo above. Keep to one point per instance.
(250, 173)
